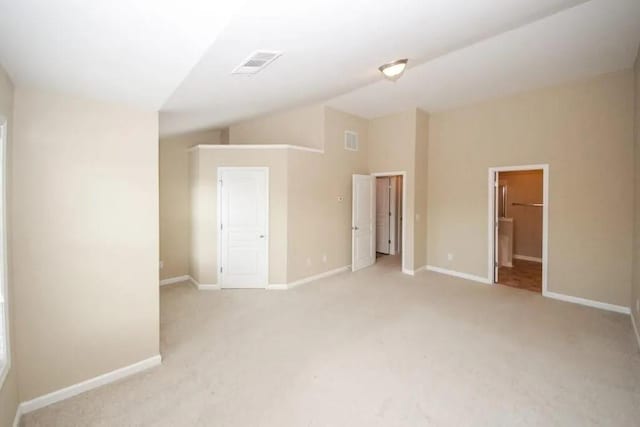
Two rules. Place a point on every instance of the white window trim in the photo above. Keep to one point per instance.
(6, 364)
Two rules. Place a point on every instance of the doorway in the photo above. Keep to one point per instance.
(367, 218)
(389, 207)
(388, 215)
(243, 216)
(518, 216)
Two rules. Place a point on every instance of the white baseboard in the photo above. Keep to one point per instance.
(466, 276)
(316, 277)
(203, 286)
(413, 272)
(276, 287)
(172, 280)
(90, 384)
(16, 419)
(527, 258)
(588, 302)
(635, 329)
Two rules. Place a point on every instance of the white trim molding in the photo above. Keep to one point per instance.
(466, 276)
(274, 287)
(318, 276)
(491, 218)
(527, 258)
(90, 384)
(172, 280)
(403, 240)
(18, 416)
(635, 328)
(256, 147)
(414, 272)
(587, 302)
(202, 286)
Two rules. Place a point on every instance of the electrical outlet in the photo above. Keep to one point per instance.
(324, 258)
(161, 264)
(308, 262)
(449, 257)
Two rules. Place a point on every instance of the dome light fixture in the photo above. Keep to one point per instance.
(393, 70)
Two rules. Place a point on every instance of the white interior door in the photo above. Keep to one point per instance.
(363, 222)
(383, 215)
(393, 214)
(398, 211)
(243, 213)
(496, 222)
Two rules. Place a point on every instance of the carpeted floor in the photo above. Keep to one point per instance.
(374, 348)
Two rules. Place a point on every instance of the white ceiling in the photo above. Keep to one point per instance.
(587, 40)
(131, 51)
(330, 47)
(177, 56)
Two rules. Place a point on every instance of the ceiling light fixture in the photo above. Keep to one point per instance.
(394, 70)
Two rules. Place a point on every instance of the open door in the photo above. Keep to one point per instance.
(496, 223)
(383, 215)
(363, 241)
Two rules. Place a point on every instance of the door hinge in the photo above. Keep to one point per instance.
(389, 241)
(221, 270)
(220, 183)
(221, 227)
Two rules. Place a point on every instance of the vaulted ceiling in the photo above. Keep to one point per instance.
(177, 57)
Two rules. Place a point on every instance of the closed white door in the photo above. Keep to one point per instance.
(243, 207)
(383, 215)
(363, 222)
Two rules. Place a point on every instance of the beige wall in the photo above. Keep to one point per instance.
(398, 142)
(85, 239)
(175, 230)
(583, 131)
(224, 136)
(308, 222)
(300, 126)
(319, 224)
(9, 391)
(635, 294)
(525, 187)
(421, 167)
(204, 187)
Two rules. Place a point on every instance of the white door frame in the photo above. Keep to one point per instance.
(545, 218)
(403, 174)
(219, 215)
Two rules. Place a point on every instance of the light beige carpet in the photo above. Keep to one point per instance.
(374, 348)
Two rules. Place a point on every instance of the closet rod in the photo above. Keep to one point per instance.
(531, 205)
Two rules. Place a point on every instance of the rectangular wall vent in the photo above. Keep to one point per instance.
(350, 140)
(256, 62)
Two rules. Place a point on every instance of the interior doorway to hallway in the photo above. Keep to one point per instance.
(376, 221)
(389, 218)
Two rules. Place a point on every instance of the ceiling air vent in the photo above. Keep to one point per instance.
(350, 140)
(256, 61)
